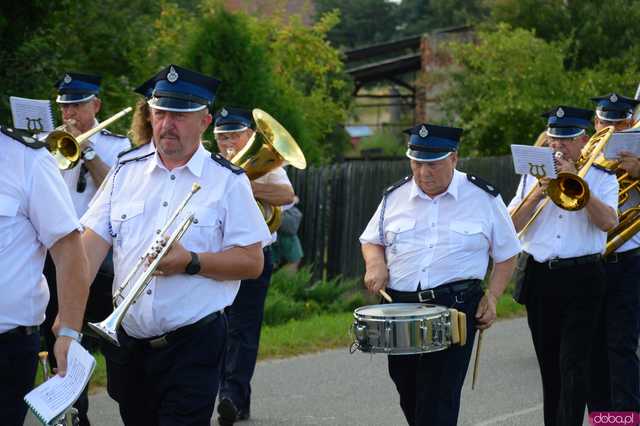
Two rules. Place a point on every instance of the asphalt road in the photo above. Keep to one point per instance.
(336, 388)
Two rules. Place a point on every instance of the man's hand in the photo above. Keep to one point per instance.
(376, 277)
(630, 163)
(541, 191)
(486, 313)
(174, 262)
(564, 165)
(60, 350)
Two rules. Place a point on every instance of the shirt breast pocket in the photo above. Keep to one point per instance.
(8, 212)
(126, 223)
(205, 233)
(400, 235)
(467, 236)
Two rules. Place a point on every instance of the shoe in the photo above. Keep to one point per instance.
(228, 412)
(243, 415)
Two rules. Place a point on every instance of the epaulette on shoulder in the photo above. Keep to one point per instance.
(483, 184)
(22, 136)
(226, 163)
(126, 151)
(141, 157)
(396, 185)
(110, 133)
(603, 168)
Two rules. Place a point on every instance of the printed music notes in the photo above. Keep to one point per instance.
(628, 140)
(533, 160)
(33, 115)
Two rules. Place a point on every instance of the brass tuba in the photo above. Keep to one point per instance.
(270, 147)
(65, 148)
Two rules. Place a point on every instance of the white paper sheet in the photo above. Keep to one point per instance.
(33, 115)
(533, 160)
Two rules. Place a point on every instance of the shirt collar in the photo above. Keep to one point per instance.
(451, 190)
(195, 163)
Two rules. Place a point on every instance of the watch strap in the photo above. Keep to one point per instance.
(70, 332)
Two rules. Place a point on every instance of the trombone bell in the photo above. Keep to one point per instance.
(64, 148)
(569, 191)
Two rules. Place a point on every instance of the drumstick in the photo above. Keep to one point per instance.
(385, 295)
(477, 361)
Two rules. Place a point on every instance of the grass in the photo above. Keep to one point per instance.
(297, 337)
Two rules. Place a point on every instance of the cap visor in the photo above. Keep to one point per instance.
(74, 98)
(229, 128)
(613, 115)
(427, 156)
(175, 105)
(564, 132)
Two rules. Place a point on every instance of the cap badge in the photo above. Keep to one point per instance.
(423, 132)
(560, 113)
(67, 79)
(224, 112)
(614, 98)
(172, 75)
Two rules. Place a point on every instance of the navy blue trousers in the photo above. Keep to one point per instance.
(245, 322)
(616, 372)
(430, 384)
(171, 386)
(18, 366)
(564, 309)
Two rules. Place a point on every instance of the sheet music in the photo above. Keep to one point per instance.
(54, 396)
(628, 140)
(533, 160)
(33, 115)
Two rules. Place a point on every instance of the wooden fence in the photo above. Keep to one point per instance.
(338, 201)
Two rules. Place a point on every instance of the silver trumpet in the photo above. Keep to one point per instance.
(156, 251)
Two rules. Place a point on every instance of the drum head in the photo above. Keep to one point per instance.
(398, 310)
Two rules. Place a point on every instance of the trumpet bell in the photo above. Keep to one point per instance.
(64, 148)
(569, 191)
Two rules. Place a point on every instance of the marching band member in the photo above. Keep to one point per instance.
(79, 104)
(564, 276)
(36, 215)
(234, 127)
(173, 337)
(618, 369)
(430, 240)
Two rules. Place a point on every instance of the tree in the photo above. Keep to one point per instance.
(508, 78)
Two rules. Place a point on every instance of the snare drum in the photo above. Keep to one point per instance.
(402, 328)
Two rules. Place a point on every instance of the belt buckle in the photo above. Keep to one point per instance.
(159, 342)
(553, 263)
(613, 258)
(431, 296)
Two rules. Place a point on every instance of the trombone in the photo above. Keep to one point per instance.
(108, 328)
(570, 191)
(65, 148)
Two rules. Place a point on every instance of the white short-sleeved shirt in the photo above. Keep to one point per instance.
(558, 233)
(279, 177)
(434, 241)
(107, 146)
(136, 202)
(35, 212)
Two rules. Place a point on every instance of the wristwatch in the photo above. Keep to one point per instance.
(70, 332)
(88, 154)
(193, 267)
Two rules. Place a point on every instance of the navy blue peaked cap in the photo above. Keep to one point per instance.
(567, 122)
(233, 119)
(75, 87)
(614, 107)
(428, 142)
(179, 89)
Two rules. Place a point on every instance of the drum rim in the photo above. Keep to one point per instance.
(438, 311)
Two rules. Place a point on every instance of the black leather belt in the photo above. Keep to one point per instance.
(21, 331)
(164, 340)
(432, 293)
(616, 257)
(573, 261)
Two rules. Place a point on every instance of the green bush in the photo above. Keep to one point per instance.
(388, 142)
(279, 309)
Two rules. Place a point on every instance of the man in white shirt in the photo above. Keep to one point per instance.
(564, 276)
(173, 337)
(79, 104)
(234, 127)
(617, 379)
(36, 215)
(430, 240)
